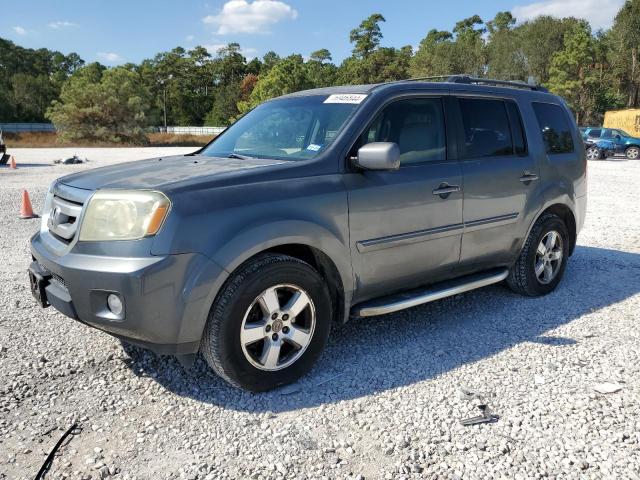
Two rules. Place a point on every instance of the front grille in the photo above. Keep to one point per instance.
(63, 218)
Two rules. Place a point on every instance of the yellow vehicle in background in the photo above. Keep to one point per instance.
(627, 120)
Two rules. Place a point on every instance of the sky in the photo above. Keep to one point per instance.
(118, 31)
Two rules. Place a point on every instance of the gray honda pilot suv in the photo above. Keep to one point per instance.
(313, 208)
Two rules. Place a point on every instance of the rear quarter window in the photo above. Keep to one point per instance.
(554, 127)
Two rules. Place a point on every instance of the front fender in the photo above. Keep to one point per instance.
(243, 246)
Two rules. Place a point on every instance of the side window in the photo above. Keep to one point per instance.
(554, 127)
(517, 130)
(607, 133)
(486, 128)
(595, 133)
(416, 125)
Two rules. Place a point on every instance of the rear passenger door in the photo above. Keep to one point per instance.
(500, 178)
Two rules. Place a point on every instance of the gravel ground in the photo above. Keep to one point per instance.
(386, 399)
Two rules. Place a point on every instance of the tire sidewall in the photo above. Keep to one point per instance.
(232, 356)
(632, 148)
(558, 225)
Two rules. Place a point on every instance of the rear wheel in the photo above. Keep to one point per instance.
(632, 153)
(543, 258)
(269, 323)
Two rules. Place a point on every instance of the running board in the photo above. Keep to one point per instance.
(401, 301)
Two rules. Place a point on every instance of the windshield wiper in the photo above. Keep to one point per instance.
(239, 157)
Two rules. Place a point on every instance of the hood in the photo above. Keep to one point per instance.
(156, 173)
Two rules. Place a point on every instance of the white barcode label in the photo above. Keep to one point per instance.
(354, 98)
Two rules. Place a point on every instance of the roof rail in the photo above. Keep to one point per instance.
(487, 81)
(468, 79)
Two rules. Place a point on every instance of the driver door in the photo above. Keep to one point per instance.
(403, 232)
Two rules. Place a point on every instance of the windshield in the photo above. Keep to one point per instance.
(298, 128)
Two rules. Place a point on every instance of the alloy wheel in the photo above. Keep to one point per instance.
(548, 257)
(593, 153)
(277, 327)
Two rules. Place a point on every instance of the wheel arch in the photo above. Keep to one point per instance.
(324, 265)
(306, 241)
(567, 215)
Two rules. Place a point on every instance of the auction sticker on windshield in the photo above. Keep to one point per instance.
(354, 98)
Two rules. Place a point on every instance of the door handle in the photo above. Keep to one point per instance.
(444, 190)
(528, 177)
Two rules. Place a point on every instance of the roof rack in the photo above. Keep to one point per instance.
(468, 79)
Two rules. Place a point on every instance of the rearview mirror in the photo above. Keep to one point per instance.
(379, 156)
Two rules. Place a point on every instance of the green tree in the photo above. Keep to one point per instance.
(269, 60)
(624, 52)
(31, 96)
(469, 46)
(322, 55)
(435, 55)
(320, 71)
(367, 36)
(287, 76)
(539, 39)
(101, 105)
(30, 80)
(570, 73)
(504, 55)
(229, 69)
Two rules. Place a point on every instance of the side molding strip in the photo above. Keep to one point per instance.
(408, 238)
(391, 241)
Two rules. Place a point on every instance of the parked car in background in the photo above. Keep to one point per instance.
(313, 208)
(623, 142)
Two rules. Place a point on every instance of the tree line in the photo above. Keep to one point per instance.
(593, 71)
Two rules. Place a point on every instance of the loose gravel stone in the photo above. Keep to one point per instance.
(384, 401)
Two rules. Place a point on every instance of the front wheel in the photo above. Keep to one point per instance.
(632, 153)
(269, 323)
(594, 153)
(543, 258)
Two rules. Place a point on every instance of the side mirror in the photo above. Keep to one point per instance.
(617, 136)
(379, 156)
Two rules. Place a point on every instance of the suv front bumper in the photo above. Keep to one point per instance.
(166, 298)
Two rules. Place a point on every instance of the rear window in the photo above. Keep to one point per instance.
(595, 132)
(486, 128)
(555, 127)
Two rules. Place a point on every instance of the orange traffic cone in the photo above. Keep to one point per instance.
(13, 163)
(26, 210)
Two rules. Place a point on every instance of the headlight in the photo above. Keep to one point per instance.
(123, 215)
(46, 208)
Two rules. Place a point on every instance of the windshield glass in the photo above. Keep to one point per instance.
(298, 128)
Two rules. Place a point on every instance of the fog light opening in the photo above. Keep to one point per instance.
(114, 302)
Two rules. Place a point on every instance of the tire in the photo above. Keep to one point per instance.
(237, 314)
(523, 278)
(593, 153)
(632, 153)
